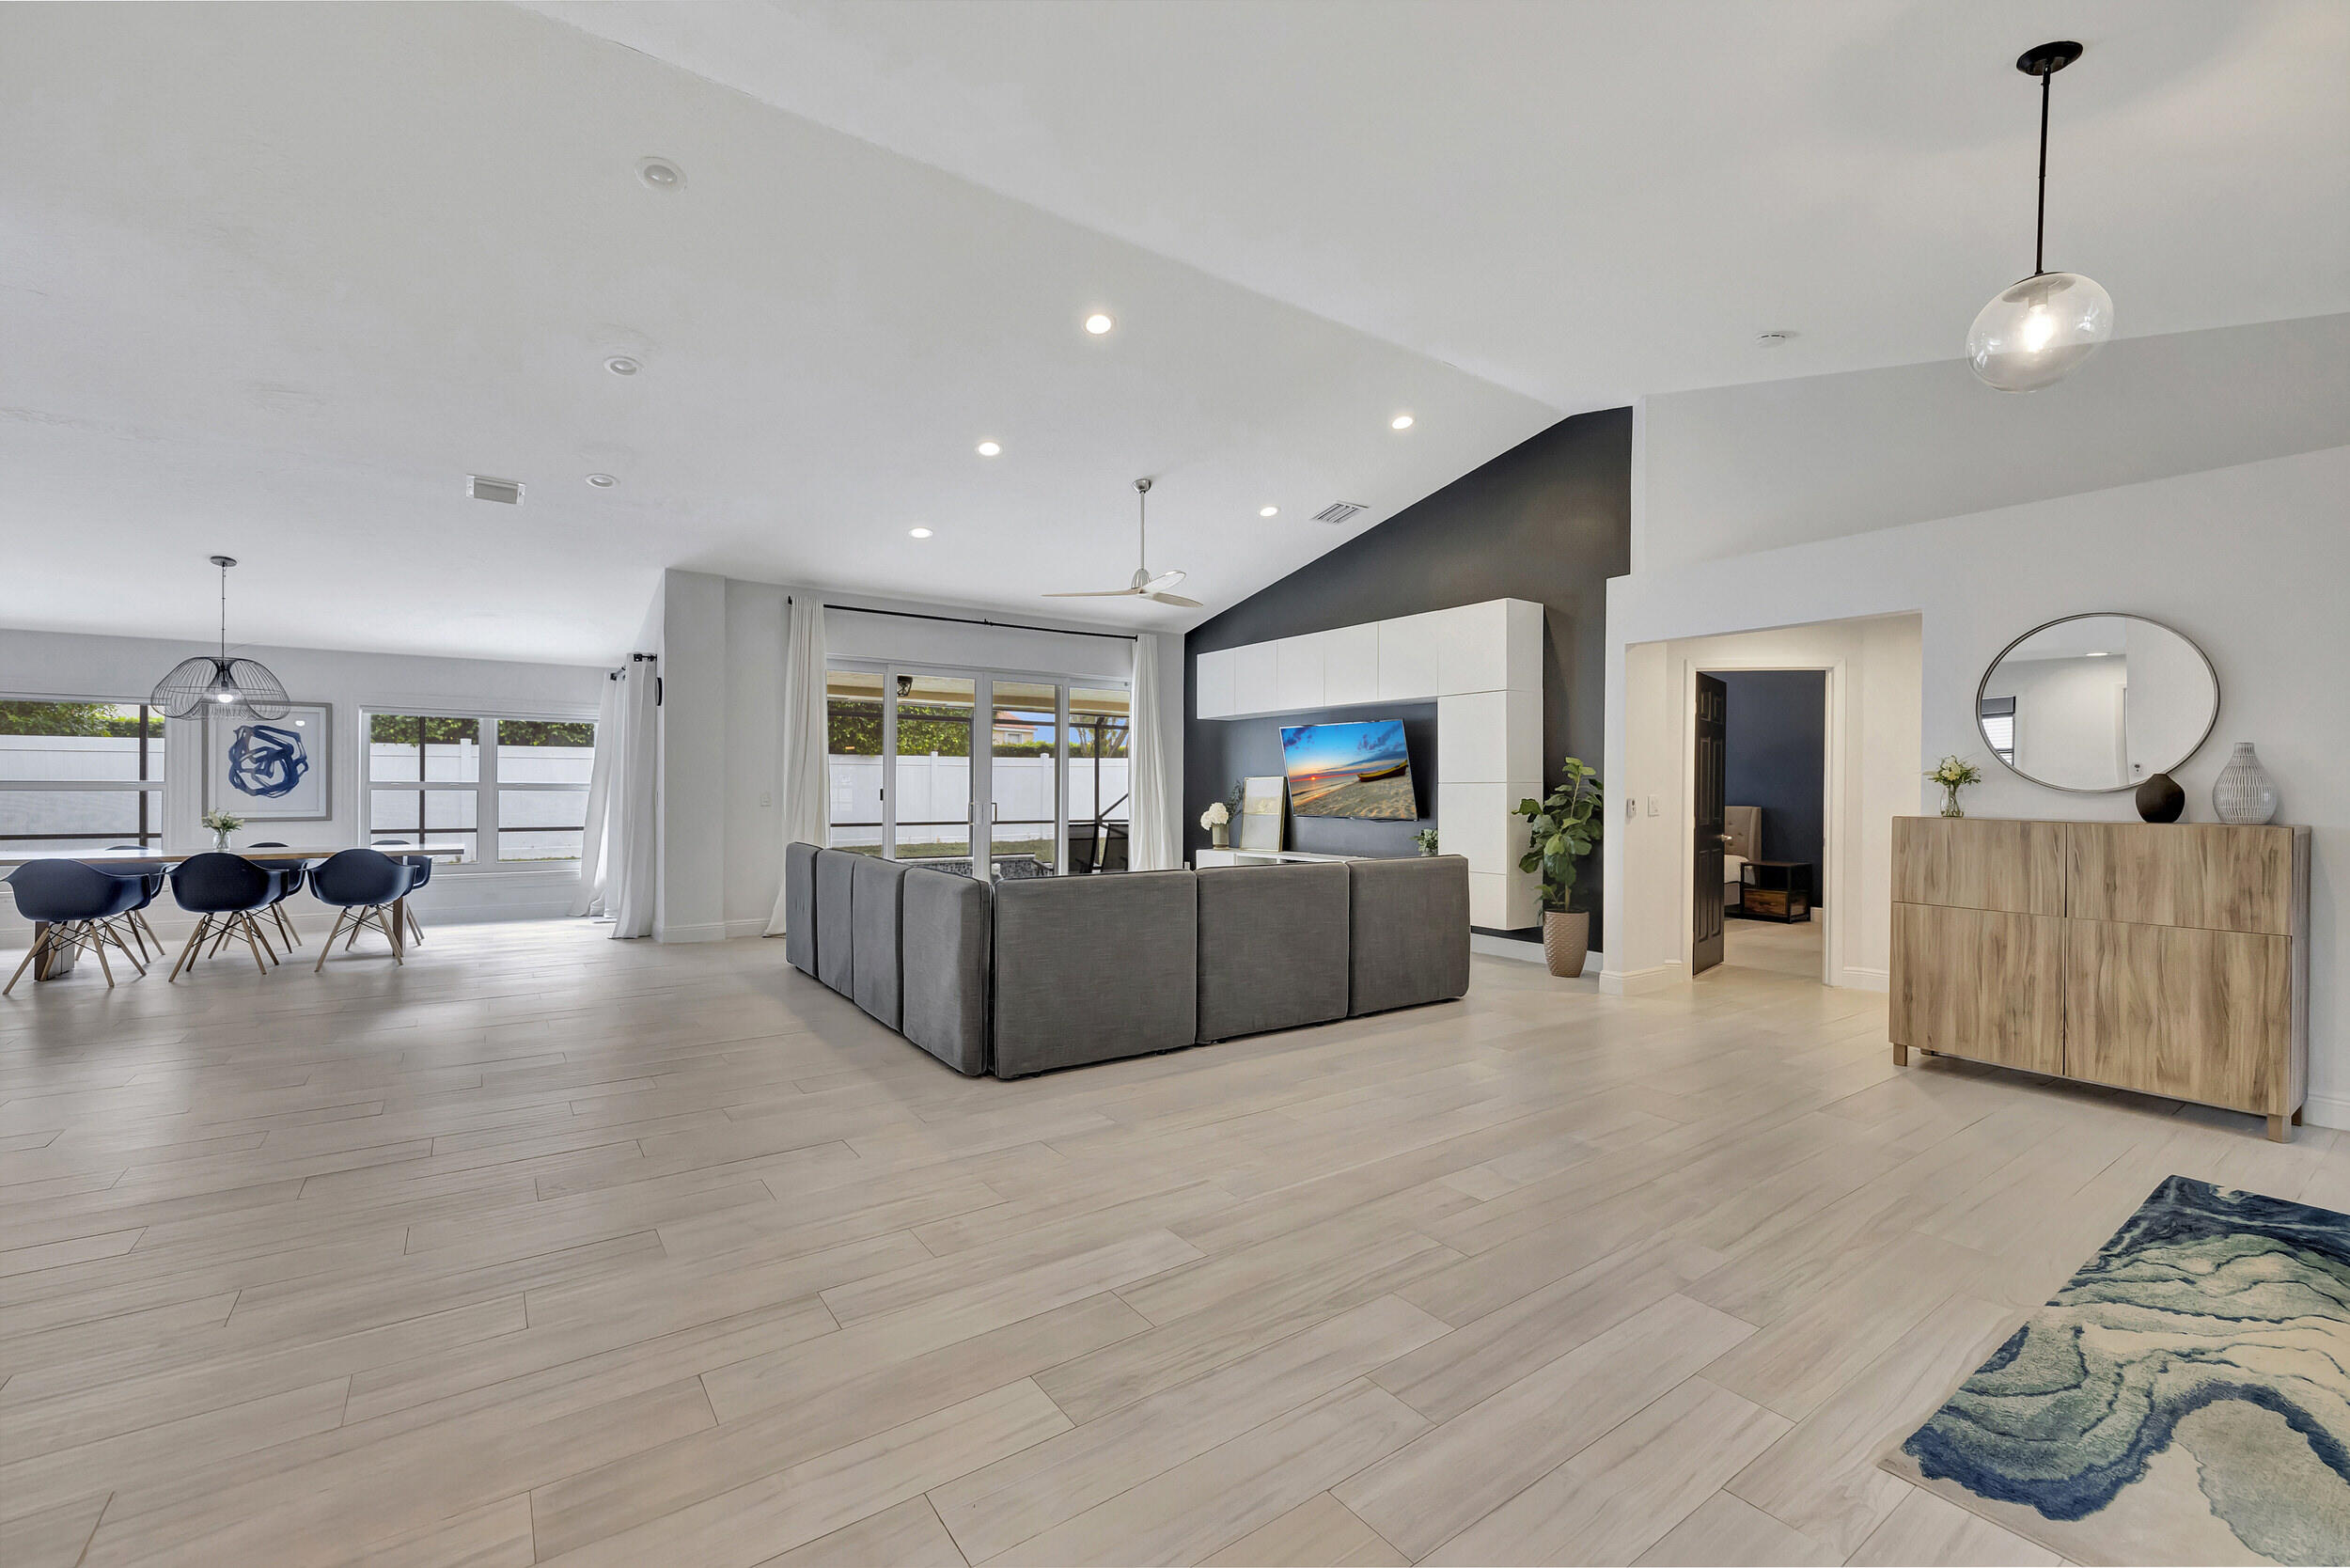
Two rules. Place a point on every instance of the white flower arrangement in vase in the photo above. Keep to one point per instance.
(222, 824)
(1215, 819)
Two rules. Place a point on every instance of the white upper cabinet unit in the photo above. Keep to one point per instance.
(1213, 689)
(1297, 673)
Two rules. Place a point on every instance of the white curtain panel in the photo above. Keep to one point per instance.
(803, 789)
(594, 863)
(1152, 844)
(634, 814)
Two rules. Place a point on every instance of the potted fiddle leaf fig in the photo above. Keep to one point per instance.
(1563, 827)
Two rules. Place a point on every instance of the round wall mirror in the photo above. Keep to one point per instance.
(2097, 703)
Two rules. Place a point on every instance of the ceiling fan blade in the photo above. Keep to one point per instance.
(1098, 593)
(1164, 581)
(1178, 599)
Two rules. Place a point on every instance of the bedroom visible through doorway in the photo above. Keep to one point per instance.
(1774, 820)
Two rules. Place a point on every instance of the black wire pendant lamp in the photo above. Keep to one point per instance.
(235, 688)
(2039, 331)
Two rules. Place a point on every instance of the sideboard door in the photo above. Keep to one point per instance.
(1985, 984)
(2201, 1015)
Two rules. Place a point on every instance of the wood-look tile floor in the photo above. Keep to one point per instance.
(552, 1249)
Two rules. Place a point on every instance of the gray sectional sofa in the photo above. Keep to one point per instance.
(1028, 975)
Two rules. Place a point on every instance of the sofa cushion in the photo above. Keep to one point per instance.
(943, 931)
(1092, 969)
(1273, 945)
(836, 872)
(799, 906)
(873, 927)
(1408, 937)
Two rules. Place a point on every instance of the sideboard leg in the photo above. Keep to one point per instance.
(2280, 1130)
(2297, 1116)
(1901, 1056)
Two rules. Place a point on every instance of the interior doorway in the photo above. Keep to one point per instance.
(1774, 810)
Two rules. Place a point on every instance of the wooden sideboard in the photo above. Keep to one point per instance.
(2170, 959)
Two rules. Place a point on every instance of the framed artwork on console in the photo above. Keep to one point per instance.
(1262, 802)
(272, 770)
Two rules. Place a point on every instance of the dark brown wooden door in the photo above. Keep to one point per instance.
(1705, 903)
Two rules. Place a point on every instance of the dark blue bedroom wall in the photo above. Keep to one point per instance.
(1777, 734)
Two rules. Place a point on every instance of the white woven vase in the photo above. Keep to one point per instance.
(2244, 792)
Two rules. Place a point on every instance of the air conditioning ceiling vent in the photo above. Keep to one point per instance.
(482, 488)
(1339, 512)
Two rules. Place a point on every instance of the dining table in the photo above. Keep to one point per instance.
(61, 964)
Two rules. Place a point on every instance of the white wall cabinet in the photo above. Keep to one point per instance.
(1483, 666)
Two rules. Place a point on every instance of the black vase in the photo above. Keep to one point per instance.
(2160, 799)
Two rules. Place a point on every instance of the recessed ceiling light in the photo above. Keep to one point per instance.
(661, 174)
(2101, 653)
(1098, 323)
(919, 533)
(1268, 512)
(990, 448)
(602, 481)
(1772, 339)
(621, 364)
(1401, 422)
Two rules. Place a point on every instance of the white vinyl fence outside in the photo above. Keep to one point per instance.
(937, 790)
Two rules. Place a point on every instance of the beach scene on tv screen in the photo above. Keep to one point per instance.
(1350, 769)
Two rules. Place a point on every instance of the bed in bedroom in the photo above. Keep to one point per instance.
(1744, 823)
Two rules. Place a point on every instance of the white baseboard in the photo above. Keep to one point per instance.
(701, 930)
(1642, 982)
(1867, 980)
(2324, 1111)
(1525, 952)
(753, 926)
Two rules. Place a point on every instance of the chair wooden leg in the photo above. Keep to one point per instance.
(105, 968)
(328, 945)
(262, 931)
(40, 945)
(252, 930)
(285, 927)
(195, 940)
(414, 929)
(227, 928)
(116, 937)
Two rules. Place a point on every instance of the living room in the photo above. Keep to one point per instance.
(1254, 783)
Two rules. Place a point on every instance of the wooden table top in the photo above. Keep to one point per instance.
(100, 858)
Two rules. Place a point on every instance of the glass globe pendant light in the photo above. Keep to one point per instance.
(233, 688)
(2038, 331)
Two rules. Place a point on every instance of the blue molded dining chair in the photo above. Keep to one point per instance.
(227, 890)
(294, 874)
(366, 886)
(423, 863)
(152, 873)
(76, 907)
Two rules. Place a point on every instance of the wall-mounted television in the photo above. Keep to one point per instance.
(1350, 769)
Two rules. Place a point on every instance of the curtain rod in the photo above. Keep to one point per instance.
(966, 620)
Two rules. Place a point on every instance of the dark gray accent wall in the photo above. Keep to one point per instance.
(1549, 520)
(1774, 757)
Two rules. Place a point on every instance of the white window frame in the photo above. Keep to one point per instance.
(156, 812)
(484, 785)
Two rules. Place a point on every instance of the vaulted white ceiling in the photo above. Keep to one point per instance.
(273, 280)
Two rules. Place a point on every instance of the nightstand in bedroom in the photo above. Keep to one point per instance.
(1774, 890)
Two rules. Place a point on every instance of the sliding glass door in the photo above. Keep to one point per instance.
(987, 774)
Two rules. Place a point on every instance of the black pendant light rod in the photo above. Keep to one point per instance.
(2045, 62)
(2039, 223)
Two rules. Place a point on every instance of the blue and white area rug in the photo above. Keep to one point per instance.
(2185, 1398)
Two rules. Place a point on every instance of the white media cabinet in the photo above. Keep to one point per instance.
(1483, 666)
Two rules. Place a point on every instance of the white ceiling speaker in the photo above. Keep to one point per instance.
(661, 174)
(621, 365)
(1339, 512)
(602, 481)
(483, 488)
(1143, 584)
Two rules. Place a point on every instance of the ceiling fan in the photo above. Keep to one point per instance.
(1144, 586)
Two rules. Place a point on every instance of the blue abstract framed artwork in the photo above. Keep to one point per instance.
(272, 770)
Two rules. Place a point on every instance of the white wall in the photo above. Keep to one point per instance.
(722, 855)
(2247, 562)
(1733, 470)
(1870, 772)
(64, 665)
(2069, 725)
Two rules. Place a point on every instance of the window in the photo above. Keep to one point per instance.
(523, 798)
(1099, 776)
(79, 776)
(853, 762)
(1998, 727)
